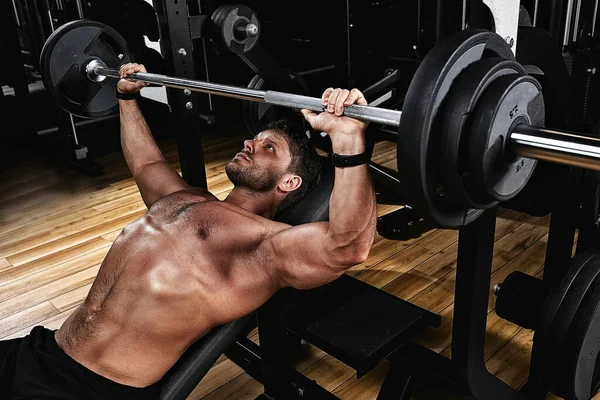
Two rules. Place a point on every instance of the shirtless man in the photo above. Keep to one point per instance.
(193, 262)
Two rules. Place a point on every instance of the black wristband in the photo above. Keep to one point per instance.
(127, 96)
(342, 161)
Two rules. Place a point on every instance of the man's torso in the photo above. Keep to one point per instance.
(191, 263)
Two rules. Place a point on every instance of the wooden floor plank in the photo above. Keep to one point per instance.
(4, 264)
(20, 271)
(47, 292)
(53, 322)
(64, 242)
(30, 316)
(71, 298)
(32, 281)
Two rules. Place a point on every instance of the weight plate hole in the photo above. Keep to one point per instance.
(109, 41)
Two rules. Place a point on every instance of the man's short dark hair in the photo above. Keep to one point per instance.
(305, 160)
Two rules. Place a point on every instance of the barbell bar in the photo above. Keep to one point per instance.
(364, 113)
(539, 143)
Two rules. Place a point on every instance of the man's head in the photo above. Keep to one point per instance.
(279, 159)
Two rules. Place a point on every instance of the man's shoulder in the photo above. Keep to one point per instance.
(195, 193)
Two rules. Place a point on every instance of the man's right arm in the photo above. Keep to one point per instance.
(153, 175)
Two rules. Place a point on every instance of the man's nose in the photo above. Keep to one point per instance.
(249, 145)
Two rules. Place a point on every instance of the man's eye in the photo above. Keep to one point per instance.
(269, 147)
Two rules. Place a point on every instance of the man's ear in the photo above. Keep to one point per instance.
(290, 183)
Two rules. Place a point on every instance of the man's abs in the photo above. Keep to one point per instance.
(183, 268)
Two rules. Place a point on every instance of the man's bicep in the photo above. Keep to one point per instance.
(302, 259)
(157, 180)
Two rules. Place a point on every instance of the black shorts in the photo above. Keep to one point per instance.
(35, 367)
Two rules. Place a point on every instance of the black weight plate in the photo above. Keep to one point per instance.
(581, 375)
(554, 364)
(222, 15)
(63, 58)
(496, 174)
(556, 296)
(419, 131)
(256, 115)
(217, 27)
(233, 17)
(218, 14)
(458, 111)
(521, 299)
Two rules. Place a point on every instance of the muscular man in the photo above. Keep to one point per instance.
(193, 262)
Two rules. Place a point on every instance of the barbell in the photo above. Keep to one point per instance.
(469, 134)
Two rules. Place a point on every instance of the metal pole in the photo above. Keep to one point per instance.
(568, 23)
(576, 25)
(80, 9)
(365, 113)
(595, 17)
(556, 146)
(16, 14)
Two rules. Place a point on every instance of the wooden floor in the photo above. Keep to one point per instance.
(57, 224)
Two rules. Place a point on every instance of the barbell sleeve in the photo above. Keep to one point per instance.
(556, 146)
(525, 140)
(364, 113)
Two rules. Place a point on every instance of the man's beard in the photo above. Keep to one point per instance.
(251, 178)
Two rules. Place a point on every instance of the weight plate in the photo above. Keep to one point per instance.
(239, 42)
(217, 21)
(581, 377)
(216, 15)
(222, 14)
(63, 58)
(556, 295)
(419, 131)
(226, 19)
(257, 115)
(520, 299)
(457, 115)
(557, 345)
(496, 174)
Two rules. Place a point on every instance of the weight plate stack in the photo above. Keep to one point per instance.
(581, 376)
(64, 57)
(458, 112)
(497, 174)
(421, 131)
(566, 340)
(228, 28)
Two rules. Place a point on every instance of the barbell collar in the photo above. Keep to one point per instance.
(556, 146)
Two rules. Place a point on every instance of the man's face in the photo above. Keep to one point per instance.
(261, 164)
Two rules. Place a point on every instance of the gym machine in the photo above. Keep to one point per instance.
(472, 72)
